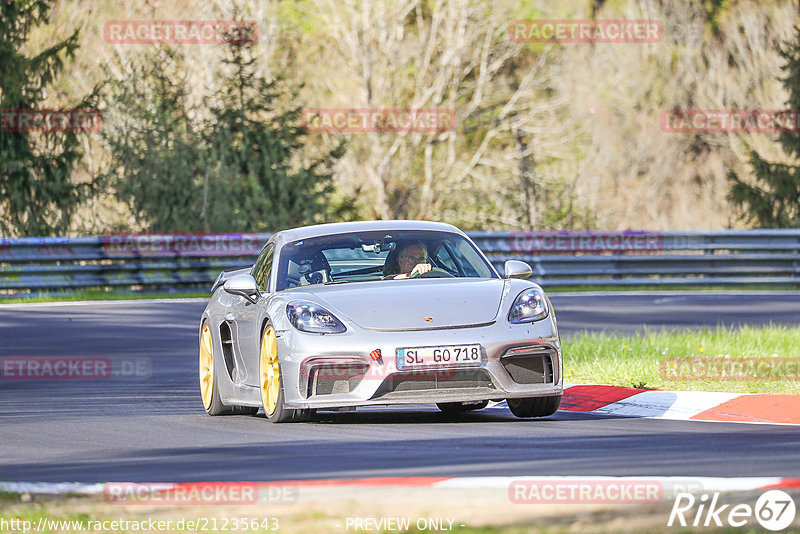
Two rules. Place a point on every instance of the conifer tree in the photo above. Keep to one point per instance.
(255, 139)
(773, 201)
(38, 196)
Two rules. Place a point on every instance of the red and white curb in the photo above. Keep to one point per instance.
(669, 484)
(692, 484)
(680, 405)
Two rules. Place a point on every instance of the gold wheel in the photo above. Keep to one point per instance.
(206, 366)
(270, 371)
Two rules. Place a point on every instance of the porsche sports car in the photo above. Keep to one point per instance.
(333, 316)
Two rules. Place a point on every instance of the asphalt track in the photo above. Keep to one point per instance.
(153, 428)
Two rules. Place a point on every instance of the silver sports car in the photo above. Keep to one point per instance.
(341, 315)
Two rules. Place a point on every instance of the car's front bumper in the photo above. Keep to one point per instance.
(336, 370)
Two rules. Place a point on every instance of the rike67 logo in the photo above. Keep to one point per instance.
(774, 510)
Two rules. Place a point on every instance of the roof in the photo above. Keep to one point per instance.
(361, 226)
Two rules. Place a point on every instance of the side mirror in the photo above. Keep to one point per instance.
(243, 285)
(517, 269)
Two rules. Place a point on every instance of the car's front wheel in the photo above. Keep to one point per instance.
(534, 406)
(271, 382)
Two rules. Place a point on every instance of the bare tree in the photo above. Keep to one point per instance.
(454, 55)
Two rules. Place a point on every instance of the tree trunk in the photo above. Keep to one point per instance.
(527, 176)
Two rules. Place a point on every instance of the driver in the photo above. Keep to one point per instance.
(413, 260)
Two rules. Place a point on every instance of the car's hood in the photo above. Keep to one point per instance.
(414, 304)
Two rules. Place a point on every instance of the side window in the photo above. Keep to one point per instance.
(263, 267)
(470, 260)
(444, 259)
(259, 262)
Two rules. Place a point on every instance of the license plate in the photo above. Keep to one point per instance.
(439, 356)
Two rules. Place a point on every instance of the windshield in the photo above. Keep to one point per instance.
(379, 255)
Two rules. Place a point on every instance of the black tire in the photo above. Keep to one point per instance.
(217, 407)
(534, 406)
(460, 407)
(281, 414)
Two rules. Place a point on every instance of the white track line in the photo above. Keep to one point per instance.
(88, 302)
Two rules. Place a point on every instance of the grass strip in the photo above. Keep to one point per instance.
(744, 359)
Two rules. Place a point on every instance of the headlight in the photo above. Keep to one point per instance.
(309, 317)
(531, 305)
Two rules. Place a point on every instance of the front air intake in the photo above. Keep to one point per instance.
(333, 378)
(532, 365)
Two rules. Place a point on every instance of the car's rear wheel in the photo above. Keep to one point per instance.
(209, 388)
(461, 407)
(271, 382)
(534, 406)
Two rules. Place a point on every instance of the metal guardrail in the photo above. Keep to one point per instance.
(569, 258)
(725, 258)
(161, 262)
